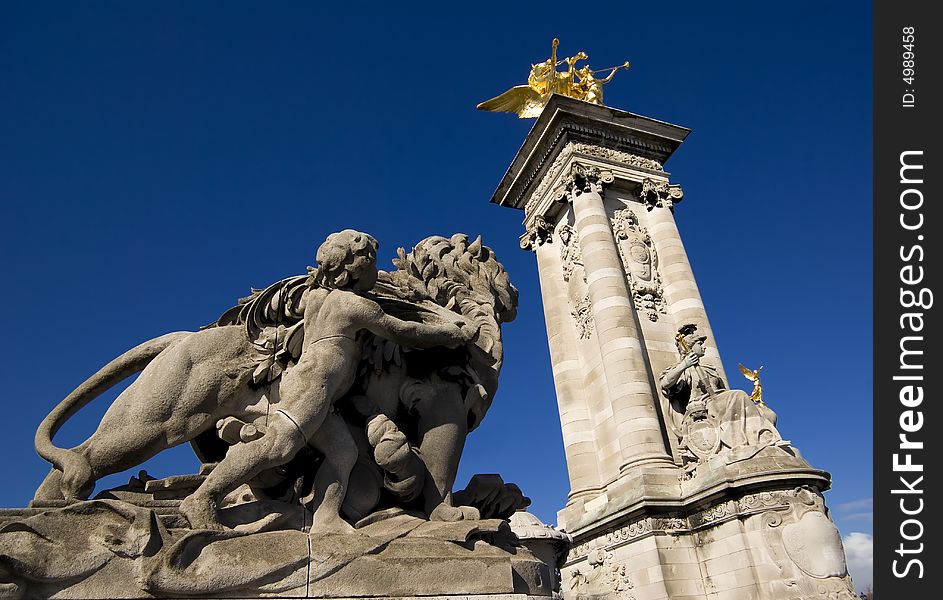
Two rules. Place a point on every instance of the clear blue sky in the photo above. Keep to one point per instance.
(158, 159)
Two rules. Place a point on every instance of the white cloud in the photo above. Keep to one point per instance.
(859, 551)
(863, 516)
(856, 505)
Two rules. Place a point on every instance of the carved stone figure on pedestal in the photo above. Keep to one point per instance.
(328, 433)
(707, 417)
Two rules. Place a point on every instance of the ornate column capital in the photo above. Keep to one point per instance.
(585, 178)
(539, 233)
(658, 193)
(579, 178)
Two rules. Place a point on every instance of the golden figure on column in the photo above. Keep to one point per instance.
(754, 376)
(528, 101)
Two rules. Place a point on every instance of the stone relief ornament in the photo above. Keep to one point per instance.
(640, 262)
(807, 547)
(552, 172)
(583, 315)
(660, 194)
(571, 259)
(313, 405)
(605, 579)
(617, 156)
(571, 256)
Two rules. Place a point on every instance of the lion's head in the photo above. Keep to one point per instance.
(452, 271)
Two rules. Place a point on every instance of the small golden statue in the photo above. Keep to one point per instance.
(528, 101)
(754, 376)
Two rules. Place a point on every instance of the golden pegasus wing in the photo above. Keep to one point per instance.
(520, 99)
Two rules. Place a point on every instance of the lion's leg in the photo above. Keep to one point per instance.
(50, 488)
(334, 441)
(175, 398)
(443, 427)
(110, 450)
(282, 440)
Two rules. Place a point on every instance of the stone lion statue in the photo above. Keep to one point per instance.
(411, 366)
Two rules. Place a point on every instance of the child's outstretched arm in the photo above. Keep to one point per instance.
(413, 333)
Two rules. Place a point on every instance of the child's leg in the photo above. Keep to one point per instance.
(282, 440)
(333, 439)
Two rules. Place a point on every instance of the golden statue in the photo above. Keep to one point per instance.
(528, 101)
(754, 376)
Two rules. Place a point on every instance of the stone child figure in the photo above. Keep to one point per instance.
(741, 422)
(336, 308)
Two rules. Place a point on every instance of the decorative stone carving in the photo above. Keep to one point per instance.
(616, 537)
(540, 232)
(571, 256)
(707, 418)
(660, 194)
(571, 259)
(552, 172)
(493, 498)
(807, 547)
(606, 579)
(548, 544)
(571, 148)
(617, 156)
(714, 515)
(114, 549)
(585, 178)
(803, 542)
(640, 261)
(583, 315)
(700, 430)
(400, 355)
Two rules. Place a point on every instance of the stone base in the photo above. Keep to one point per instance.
(114, 549)
(755, 530)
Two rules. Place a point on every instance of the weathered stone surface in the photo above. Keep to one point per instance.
(330, 412)
(680, 487)
(112, 549)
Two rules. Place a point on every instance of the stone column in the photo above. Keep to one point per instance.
(638, 426)
(579, 440)
(681, 291)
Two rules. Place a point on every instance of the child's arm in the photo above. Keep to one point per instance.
(412, 333)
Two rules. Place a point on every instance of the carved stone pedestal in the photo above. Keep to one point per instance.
(679, 487)
(115, 549)
(746, 530)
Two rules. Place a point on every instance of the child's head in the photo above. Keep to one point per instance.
(346, 260)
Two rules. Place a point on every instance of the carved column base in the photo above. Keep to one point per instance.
(756, 530)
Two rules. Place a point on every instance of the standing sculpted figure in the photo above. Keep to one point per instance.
(589, 88)
(336, 308)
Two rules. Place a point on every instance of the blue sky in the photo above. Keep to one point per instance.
(158, 159)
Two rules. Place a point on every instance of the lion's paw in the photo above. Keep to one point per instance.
(444, 512)
(201, 513)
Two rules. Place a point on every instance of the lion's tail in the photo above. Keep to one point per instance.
(129, 363)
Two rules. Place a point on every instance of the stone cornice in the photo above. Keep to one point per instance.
(620, 136)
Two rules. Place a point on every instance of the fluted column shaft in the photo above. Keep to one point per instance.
(624, 365)
(681, 291)
(579, 441)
